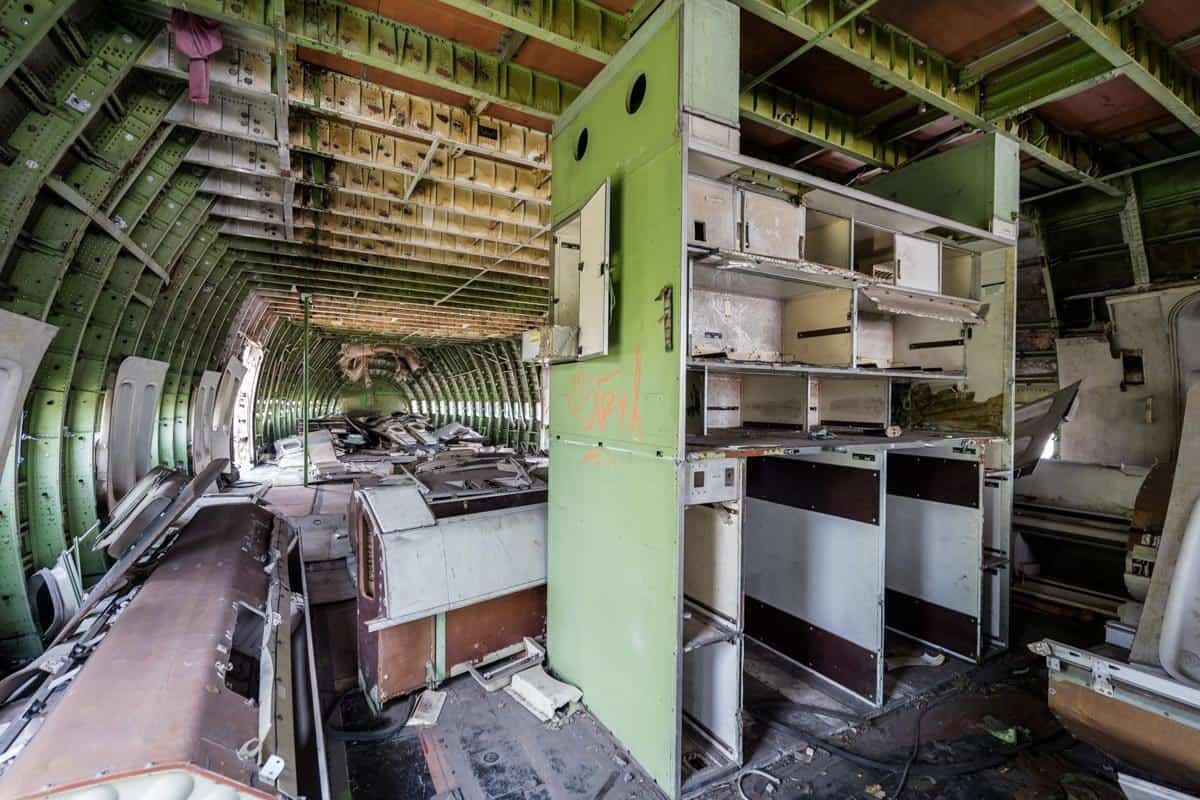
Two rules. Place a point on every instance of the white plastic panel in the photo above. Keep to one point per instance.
(201, 413)
(580, 275)
(23, 342)
(712, 219)
(823, 569)
(594, 276)
(461, 561)
(712, 691)
(712, 558)
(131, 408)
(825, 572)
(772, 227)
(918, 263)
(935, 550)
(221, 419)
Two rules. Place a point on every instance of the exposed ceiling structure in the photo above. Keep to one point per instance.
(391, 158)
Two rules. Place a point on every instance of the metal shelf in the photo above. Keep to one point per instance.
(714, 364)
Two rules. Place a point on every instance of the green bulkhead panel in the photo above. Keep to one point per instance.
(614, 597)
(976, 184)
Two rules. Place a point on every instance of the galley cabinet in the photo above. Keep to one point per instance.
(694, 499)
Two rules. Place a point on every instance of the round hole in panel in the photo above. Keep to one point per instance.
(637, 93)
(581, 145)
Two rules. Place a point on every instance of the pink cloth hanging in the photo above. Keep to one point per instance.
(197, 38)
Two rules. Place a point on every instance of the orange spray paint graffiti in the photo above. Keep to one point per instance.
(609, 401)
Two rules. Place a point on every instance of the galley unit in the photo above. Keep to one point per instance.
(837, 342)
(731, 343)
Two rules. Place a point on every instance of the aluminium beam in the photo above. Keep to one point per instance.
(582, 27)
(370, 277)
(1014, 50)
(1056, 75)
(1131, 230)
(813, 122)
(73, 197)
(25, 23)
(1148, 63)
(898, 60)
(377, 41)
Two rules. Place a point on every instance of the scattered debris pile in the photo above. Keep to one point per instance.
(347, 443)
(355, 361)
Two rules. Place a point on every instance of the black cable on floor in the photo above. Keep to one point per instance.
(909, 767)
(395, 718)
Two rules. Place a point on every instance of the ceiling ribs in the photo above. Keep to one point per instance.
(376, 41)
(896, 59)
(1130, 47)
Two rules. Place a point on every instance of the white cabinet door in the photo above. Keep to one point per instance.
(771, 227)
(712, 217)
(918, 263)
(593, 275)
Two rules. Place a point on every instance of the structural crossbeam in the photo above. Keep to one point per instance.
(896, 59)
(1153, 66)
(377, 41)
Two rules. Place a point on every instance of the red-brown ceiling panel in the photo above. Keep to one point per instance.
(961, 29)
(1172, 19)
(1111, 110)
(440, 20)
(555, 61)
(817, 74)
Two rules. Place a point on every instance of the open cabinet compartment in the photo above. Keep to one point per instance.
(907, 330)
(814, 564)
(935, 529)
(581, 284)
(712, 622)
(771, 317)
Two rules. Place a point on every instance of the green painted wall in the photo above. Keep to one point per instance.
(615, 422)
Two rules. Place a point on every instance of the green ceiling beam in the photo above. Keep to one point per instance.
(78, 92)
(1056, 75)
(500, 291)
(25, 24)
(377, 41)
(1011, 51)
(578, 26)
(894, 58)
(1150, 64)
(808, 120)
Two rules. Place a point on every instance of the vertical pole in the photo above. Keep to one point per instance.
(306, 299)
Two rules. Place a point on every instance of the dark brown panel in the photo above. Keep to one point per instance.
(939, 480)
(842, 661)
(486, 627)
(403, 651)
(492, 502)
(932, 623)
(847, 492)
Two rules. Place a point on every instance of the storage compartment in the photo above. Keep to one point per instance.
(814, 553)
(712, 215)
(712, 611)
(889, 338)
(826, 239)
(581, 283)
(874, 252)
(935, 553)
(772, 226)
(958, 272)
(898, 259)
(852, 402)
(758, 317)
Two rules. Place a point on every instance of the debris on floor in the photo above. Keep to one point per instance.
(541, 694)
(428, 710)
(914, 660)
